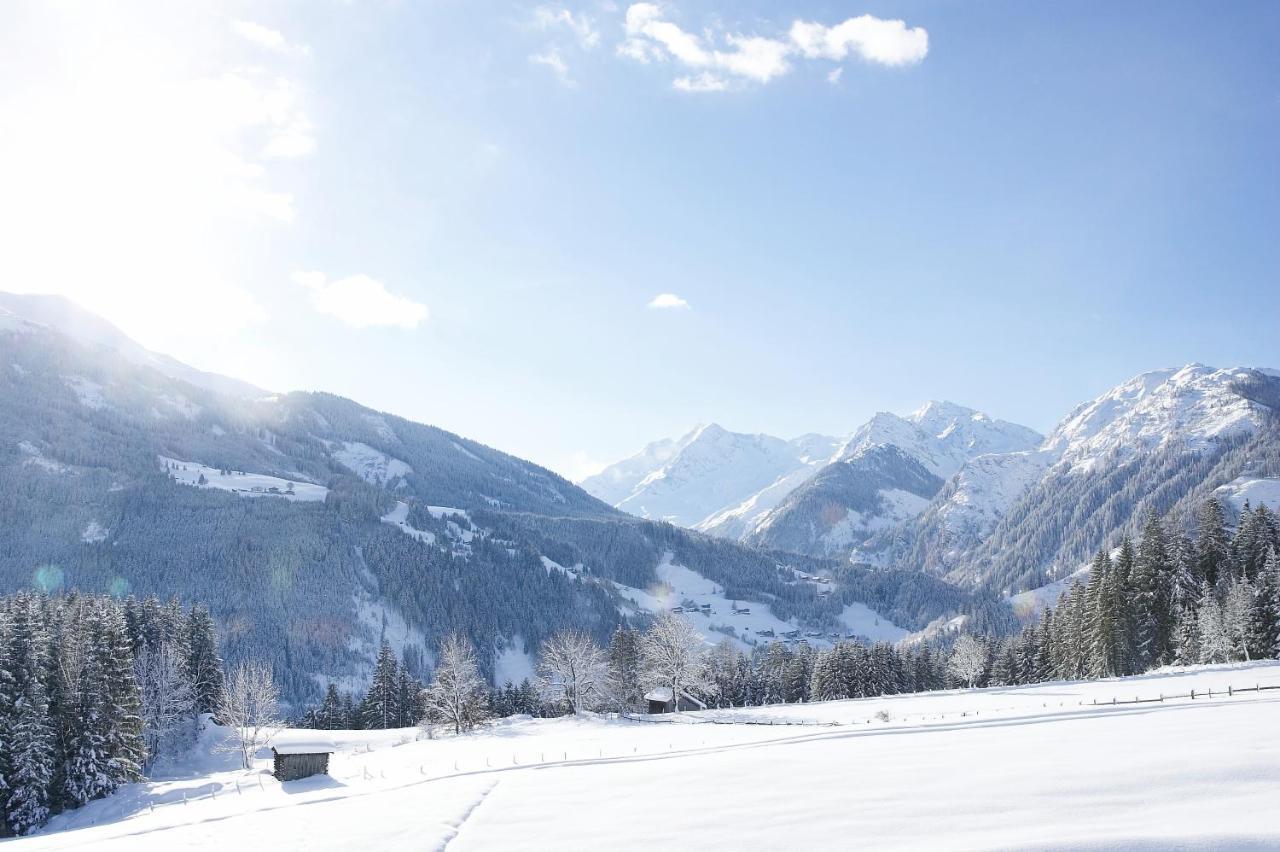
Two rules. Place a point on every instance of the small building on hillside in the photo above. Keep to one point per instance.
(301, 755)
(659, 700)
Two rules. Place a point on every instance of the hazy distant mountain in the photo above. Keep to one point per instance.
(814, 494)
(91, 330)
(697, 480)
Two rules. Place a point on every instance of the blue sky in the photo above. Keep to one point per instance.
(461, 212)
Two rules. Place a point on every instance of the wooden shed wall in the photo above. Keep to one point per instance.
(290, 767)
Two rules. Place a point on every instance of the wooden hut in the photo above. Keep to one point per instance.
(301, 756)
(660, 701)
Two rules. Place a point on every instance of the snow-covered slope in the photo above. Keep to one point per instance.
(1193, 407)
(1049, 767)
(89, 329)
(711, 477)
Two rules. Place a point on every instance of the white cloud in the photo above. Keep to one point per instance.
(873, 39)
(580, 26)
(704, 82)
(720, 60)
(668, 300)
(579, 466)
(834, 75)
(360, 301)
(552, 59)
(756, 58)
(267, 38)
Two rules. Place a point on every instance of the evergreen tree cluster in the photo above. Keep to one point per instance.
(393, 700)
(91, 691)
(1171, 599)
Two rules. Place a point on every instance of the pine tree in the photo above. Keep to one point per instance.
(1237, 611)
(381, 703)
(1100, 625)
(624, 670)
(1152, 598)
(1187, 648)
(1263, 639)
(408, 698)
(1124, 653)
(204, 664)
(1213, 547)
(1214, 639)
(332, 714)
(1255, 536)
(123, 700)
(28, 736)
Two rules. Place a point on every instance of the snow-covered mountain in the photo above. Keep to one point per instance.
(813, 494)
(952, 492)
(711, 477)
(314, 527)
(1164, 439)
(886, 473)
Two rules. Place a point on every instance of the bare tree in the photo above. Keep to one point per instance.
(457, 694)
(250, 705)
(574, 669)
(968, 659)
(168, 701)
(672, 656)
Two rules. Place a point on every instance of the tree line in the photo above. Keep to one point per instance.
(93, 691)
(1170, 599)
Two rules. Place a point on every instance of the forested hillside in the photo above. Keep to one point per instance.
(314, 528)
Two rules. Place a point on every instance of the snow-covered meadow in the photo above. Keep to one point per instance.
(1052, 766)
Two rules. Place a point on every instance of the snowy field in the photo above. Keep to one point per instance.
(704, 606)
(1040, 767)
(239, 482)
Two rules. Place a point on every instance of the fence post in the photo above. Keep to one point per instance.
(1228, 690)
(1193, 695)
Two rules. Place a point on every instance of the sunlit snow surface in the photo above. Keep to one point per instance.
(746, 623)
(1254, 491)
(1028, 768)
(369, 464)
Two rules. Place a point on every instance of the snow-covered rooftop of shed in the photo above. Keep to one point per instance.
(661, 693)
(303, 742)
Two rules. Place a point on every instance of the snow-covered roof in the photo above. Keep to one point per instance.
(663, 693)
(303, 742)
